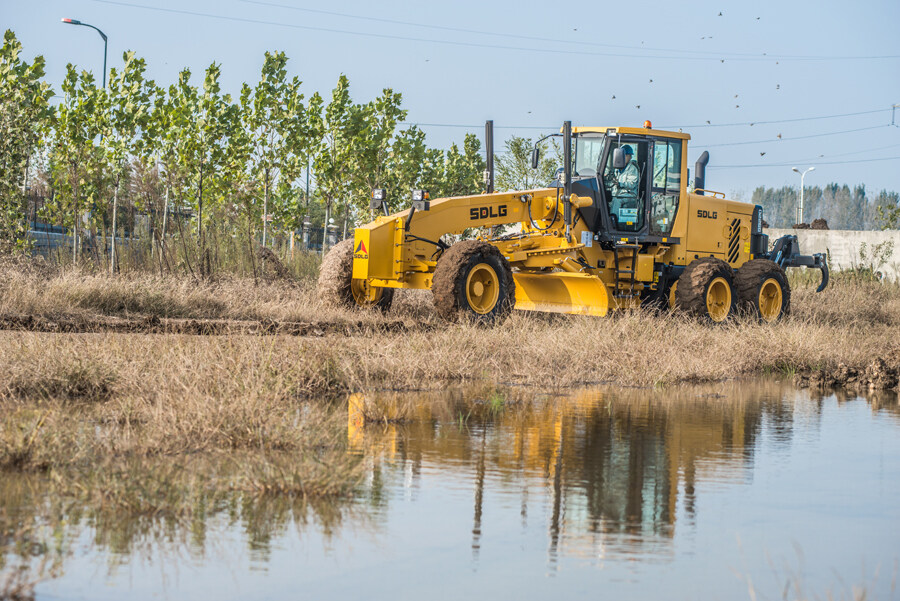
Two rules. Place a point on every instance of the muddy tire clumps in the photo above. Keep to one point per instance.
(336, 278)
(749, 281)
(694, 288)
(452, 274)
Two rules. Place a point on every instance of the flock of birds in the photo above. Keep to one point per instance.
(736, 106)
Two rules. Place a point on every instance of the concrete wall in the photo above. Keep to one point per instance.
(844, 247)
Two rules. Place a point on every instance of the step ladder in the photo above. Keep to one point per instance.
(625, 279)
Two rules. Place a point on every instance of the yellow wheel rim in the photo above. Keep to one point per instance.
(482, 288)
(364, 293)
(770, 298)
(718, 299)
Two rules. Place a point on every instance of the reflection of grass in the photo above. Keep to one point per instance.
(135, 504)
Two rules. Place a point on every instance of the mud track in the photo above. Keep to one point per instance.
(198, 327)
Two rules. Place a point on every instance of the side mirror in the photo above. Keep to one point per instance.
(535, 157)
(618, 158)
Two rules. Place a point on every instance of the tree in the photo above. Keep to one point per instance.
(75, 159)
(127, 104)
(25, 117)
(888, 210)
(273, 114)
(333, 155)
(514, 171)
(372, 148)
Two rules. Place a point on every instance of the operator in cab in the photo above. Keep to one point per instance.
(623, 187)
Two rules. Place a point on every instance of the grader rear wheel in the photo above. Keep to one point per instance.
(337, 286)
(473, 279)
(706, 290)
(763, 290)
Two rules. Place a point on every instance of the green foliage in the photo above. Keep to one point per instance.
(25, 117)
(514, 170)
(888, 204)
(203, 167)
(870, 261)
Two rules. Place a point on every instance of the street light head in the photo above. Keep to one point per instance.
(71, 21)
(795, 169)
(811, 169)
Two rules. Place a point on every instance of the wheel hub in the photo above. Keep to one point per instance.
(482, 288)
(770, 299)
(718, 299)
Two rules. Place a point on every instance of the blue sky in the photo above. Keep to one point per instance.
(529, 66)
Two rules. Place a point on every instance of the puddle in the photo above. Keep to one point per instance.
(738, 490)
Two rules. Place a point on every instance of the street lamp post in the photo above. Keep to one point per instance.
(800, 208)
(102, 35)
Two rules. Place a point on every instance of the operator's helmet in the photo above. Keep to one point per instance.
(628, 150)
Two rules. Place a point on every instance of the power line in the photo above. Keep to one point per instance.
(769, 140)
(670, 127)
(843, 154)
(776, 121)
(794, 162)
(517, 36)
(471, 44)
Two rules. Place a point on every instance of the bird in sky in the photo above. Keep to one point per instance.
(614, 97)
(737, 106)
(779, 136)
(651, 81)
(722, 60)
(757, 18)
(777, 86)
(637, 106)
(707, 121)
(762, 154)
(720, 13)
(735, 95)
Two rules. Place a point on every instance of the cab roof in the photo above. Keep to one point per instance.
(635, 131)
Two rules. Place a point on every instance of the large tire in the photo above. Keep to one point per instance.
(706, 290)
(337, 286)
(474, 280)
(763, 290)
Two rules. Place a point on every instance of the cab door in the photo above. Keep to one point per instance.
(665, 186)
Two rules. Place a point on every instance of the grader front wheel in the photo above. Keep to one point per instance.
(706, 290)
(337, 286)
(472, 278)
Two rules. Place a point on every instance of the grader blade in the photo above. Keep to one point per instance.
(575, 293)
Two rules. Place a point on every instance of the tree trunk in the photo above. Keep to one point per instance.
(162, 246)
(325, 227)
(266, 207)
(112, 247)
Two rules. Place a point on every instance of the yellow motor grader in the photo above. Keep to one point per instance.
(582, 245)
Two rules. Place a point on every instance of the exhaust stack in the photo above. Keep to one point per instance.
(700, 172)
(489, 155)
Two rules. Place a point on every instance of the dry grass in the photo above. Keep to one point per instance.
(853, 322)
(37, 289)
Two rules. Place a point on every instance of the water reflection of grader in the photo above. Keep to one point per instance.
(611, 462)
(587, 245)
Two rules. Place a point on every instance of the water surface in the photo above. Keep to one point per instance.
(735, 491)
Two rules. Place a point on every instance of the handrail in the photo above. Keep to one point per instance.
(713, 192)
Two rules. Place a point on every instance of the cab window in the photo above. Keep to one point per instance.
(588, 150)
(665, 185)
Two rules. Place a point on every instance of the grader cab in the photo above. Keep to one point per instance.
(588, 244)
